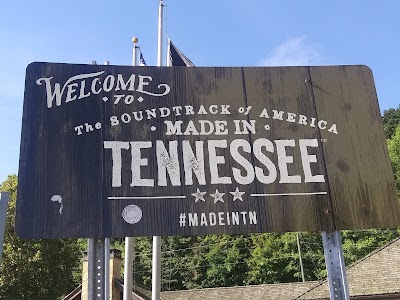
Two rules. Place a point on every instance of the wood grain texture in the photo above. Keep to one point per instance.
(357, 191)
(284, 89)
(359, 172)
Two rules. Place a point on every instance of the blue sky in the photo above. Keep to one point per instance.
(209, 32)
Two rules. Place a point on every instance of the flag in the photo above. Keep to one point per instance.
(176, 57)
(142, 62)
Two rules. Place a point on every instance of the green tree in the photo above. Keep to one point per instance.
(359, 243)
(312, 252)
(142, 261)
(226, 260)
(177, 257)
(274, 258)
(394, 154)
(391, 119)
(35, 269)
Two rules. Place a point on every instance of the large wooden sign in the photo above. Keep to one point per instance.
(113, 151)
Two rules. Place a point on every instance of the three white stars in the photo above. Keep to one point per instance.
(218, 197)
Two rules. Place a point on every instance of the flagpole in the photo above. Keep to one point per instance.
(156, 266)
(160, 33)
(168, 52)
(129, 241)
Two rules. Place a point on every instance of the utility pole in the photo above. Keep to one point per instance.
(300, 259)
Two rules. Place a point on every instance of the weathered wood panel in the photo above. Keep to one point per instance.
(359, 172)
(285, 90)
(200, 151)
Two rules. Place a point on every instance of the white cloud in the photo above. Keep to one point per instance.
(294, 52)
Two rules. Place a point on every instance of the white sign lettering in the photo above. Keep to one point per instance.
(84, 85)
(169, 157)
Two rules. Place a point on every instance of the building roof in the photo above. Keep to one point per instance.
(280, 291)
(375, 274)
(75, 294)
(139, 292)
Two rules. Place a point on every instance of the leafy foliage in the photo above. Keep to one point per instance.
(226, 260)
(394, 154)
(391, 119)
(267, 265)
(357, 244)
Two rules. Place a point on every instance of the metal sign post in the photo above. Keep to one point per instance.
(3, 218)
(99, 264)
(96, 270)
(335, 265)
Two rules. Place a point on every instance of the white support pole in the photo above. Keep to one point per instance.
(156, 266)
(156, 270)
(300, 258)
(128, 268)
(129, 241)
(160, 33)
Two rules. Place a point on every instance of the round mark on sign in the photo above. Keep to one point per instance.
(132, 214)
(153, 128)
(267, 127)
